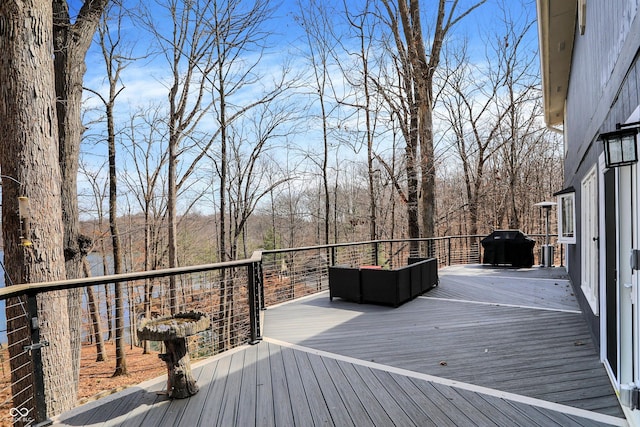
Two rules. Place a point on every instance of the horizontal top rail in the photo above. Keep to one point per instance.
(30, 288)
(369, 242)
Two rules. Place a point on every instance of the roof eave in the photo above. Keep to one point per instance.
(556, 31)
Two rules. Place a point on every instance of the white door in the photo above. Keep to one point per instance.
(631, 292)
(625, 273)
(589, 240)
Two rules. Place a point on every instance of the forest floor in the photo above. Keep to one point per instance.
(96, 378)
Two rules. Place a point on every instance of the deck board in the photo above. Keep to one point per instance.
(387, 401)
(328, 392)
(196, 403)
(413, 411)
(319, 409)
(215, 391)
(358, 413)
(265, 415)
(482, 344)
(283, 411)
(375, 410)
(456, 414)
(247, 401)
(479, 350)
(230, 399)
(434, 413)
(301, 410)
(477, 413)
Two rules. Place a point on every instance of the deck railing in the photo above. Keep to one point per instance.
(231, 294)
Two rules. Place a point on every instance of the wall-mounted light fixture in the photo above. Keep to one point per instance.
(620, 148)
(25, 220)
(24, 213)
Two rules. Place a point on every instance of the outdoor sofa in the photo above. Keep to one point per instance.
(375, 285)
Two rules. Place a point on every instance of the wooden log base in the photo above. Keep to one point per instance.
(180, 381)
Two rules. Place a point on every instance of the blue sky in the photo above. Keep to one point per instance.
(287, 33)
(143, 79)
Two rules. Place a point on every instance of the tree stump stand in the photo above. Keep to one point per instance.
(173, 331)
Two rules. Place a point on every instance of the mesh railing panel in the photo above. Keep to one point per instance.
(221, 294)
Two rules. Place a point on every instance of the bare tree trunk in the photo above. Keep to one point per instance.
(121, 362)
(121, 358)
(148, 283)
(313, 20)
(171, 204)
(223, 304)
(114, 66)
(107, 294)
(94, 315)
(358, 20)
(70, 44)
(420, 68)
(35, 254)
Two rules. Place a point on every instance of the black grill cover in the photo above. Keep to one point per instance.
(508, 247)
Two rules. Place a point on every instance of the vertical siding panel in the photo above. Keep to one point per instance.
(594, 58)
(633, 88)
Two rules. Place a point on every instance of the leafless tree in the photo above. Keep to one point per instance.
(520, 131)
(115, 61)
(363, 27)
(144, 181)
(188, 48)
(417, 69)
(239, 51)
(33, 246)
(475, 126)
(493, 108)
(72, 37)
(251, 146)
(99, 194)
(315, 17)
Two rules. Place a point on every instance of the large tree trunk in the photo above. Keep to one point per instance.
(28, 160)
(70, 44)
(70, 133)
(423, 67)
(413, 222)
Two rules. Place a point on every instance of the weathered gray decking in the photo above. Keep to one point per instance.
(487, 347)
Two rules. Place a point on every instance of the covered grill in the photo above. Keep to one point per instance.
(508, 247)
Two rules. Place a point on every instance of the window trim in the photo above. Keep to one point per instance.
(566, 216)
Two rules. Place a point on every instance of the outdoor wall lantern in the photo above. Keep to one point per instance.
(25, 220)
(24, 214)
(620, 146)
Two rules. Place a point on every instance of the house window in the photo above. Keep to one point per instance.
(566, 218)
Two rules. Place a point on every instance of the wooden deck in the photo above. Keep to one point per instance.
(487, 347)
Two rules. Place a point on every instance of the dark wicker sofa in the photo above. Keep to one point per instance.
(382, 286)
